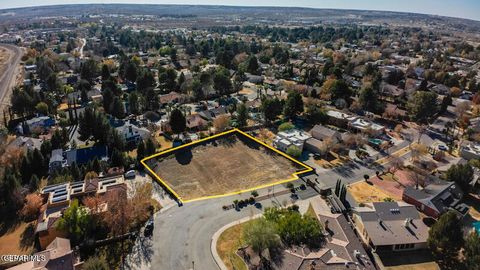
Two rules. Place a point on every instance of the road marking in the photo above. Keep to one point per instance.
(295, 176)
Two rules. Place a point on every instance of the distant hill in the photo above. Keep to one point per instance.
(280, 14)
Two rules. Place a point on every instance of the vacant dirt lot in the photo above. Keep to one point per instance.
(228, 164)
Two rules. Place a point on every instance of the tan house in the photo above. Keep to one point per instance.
(59, 197)
(58, 255)
(390, 226)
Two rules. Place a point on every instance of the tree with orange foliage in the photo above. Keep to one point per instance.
(221, 123)
(31, 208)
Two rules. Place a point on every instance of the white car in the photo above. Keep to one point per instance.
(130, 174)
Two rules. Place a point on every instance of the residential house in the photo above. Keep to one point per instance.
(25, 143)
(58, 255)
(436, 198)
(390, 226)
(133, 134)
(36, 124)
(320, 136)
(342, 249)
(323, 133)
(366, 126)
(471, 151)
(195, 122)
(60, 159)
(339, 119)
(212, 114)
(59, 197)
(292, 137)
(172, 97)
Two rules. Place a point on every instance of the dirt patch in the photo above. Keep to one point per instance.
(364, 192)
(230, 163)
(18, 240)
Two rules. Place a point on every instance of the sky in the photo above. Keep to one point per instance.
(469, 9)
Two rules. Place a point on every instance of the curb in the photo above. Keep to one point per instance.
(216, 235)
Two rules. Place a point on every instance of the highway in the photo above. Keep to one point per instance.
(7, 79)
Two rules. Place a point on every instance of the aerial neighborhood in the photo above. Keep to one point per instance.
(203, 137)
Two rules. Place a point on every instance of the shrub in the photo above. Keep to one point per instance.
(294, 151)
(254, 193)
(286, 126)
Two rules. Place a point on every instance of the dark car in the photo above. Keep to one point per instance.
(148, 228)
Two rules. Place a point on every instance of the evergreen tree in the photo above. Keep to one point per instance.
(177, 121)
(140, 151)
(242, 115)
(445, 239)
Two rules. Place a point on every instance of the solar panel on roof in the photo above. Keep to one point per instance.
(56, 194)
(59, 199)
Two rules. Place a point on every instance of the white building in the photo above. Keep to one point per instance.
(295, 137)
(471, 151)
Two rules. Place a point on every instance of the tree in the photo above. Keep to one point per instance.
(445, 238)
(95, 263)
(119, 216)
(75, 221)
(105, 72)
(271, 109)
(177, 121)
(88, 70)
(131, 71)
(242, 115)
(294, 151)
(145, 80)
(118, 109)
(472, 251)
(316, 115)
(134, 103)
(369, 100)
(31, 208)
(334, 89)
(462, 174)
(286, 126)
(293, 105)
(141, 151)
(252, 65)
(42, 108)
(261, 235)
(167, 79)
(221, 81)
(422, 106)
(294, 228)
(150, 147)
(221, 123)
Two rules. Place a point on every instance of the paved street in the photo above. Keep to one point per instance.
(7, 79)
(183, 235)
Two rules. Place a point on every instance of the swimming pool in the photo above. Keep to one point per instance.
(476, 225)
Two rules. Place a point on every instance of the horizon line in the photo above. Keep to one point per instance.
(248, 6)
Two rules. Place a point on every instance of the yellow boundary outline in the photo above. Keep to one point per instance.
(295, 175)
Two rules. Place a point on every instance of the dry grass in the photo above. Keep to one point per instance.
(18, 240)
(410, 260)
(227, 245)
(227, 164)
(364, 192)
(4, 59)
(164, 143)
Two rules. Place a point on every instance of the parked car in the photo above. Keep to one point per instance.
(130, 174)
(442, 147)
